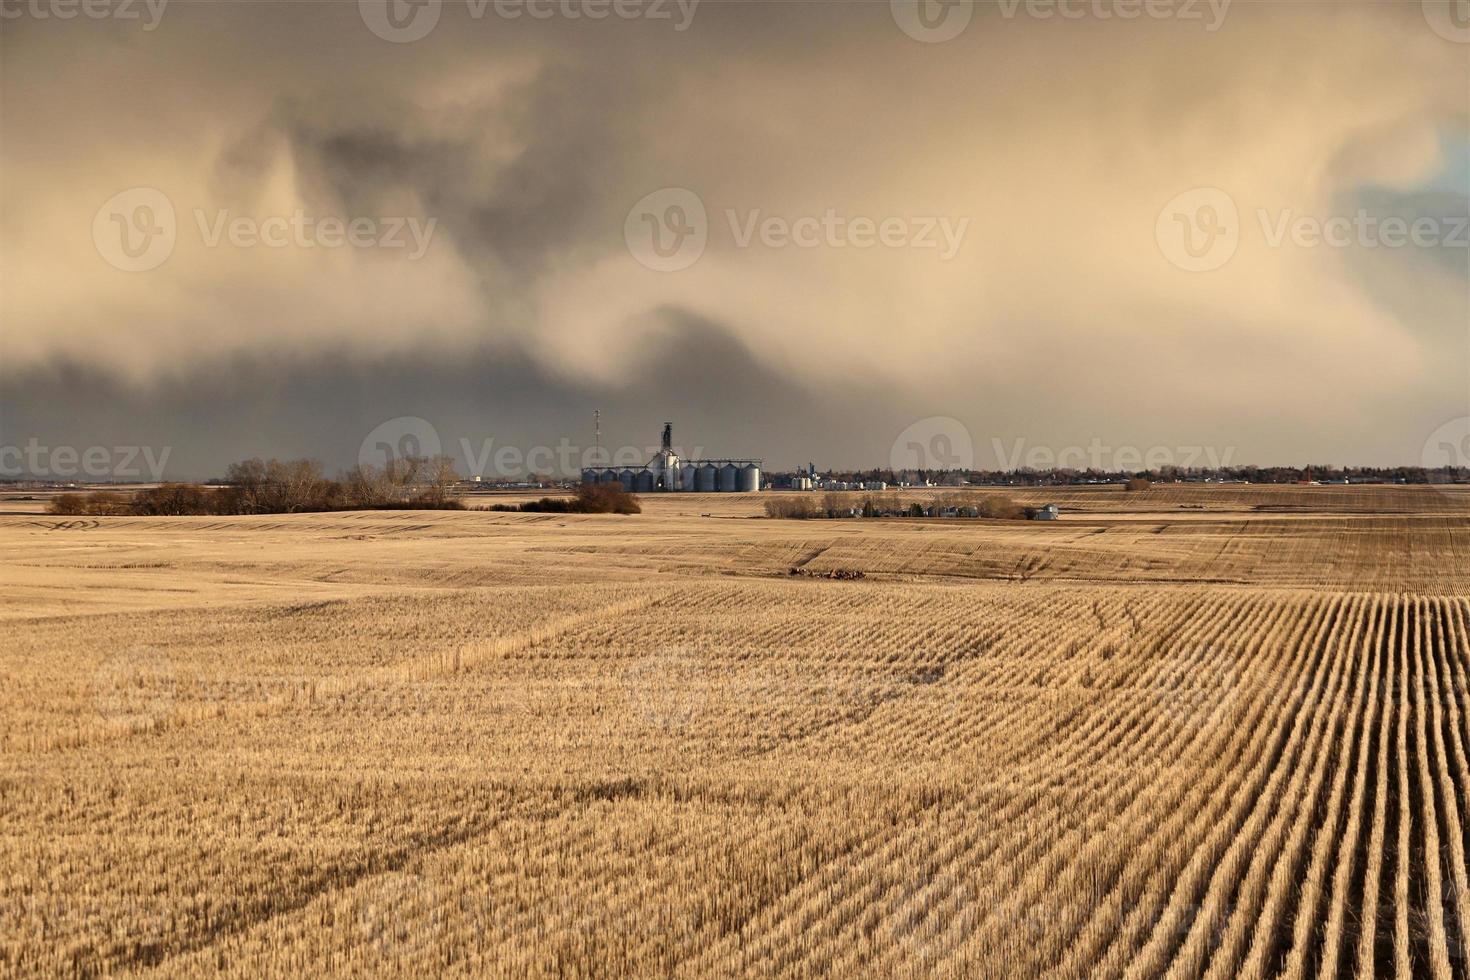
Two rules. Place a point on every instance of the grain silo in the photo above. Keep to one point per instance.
(667, 471)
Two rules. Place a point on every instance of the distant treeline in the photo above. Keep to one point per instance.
(1063, 476)
(256, 486)
(590, 498)
(833, 505)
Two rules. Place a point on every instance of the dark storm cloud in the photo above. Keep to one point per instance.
(1058, 141)
(724, 402)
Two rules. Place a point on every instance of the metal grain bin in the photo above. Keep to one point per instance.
(686, 476)
(729, 478)
(705, 478)
(627, 478)
(748, 480)
(643, 481)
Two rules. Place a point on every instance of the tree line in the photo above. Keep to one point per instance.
(272, 486)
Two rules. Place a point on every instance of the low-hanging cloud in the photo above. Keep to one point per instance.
(1053, 143)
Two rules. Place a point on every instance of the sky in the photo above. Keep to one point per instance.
(860, 234)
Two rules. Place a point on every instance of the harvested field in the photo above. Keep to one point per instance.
(1120, 745)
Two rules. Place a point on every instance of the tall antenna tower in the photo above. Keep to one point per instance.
(597, 431)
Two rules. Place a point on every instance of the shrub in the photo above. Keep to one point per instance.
(98, 503)
(591, 498)
(1137, 483)
(793, 507)
(996, 507)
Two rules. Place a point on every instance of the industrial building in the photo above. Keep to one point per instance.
(666, 472)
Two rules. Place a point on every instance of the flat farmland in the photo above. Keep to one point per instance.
(1186, 732)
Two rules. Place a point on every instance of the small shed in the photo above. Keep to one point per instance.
(1047, 512)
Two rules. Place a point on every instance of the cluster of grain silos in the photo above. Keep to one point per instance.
(667, 472)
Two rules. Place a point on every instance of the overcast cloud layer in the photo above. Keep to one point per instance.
(1025, 285)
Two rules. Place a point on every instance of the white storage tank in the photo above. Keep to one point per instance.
(748, 480)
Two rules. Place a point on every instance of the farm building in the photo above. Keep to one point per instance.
(1048, 512)
(667, 472)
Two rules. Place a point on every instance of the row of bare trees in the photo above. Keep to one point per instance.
(273, 486)
(837, 504)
